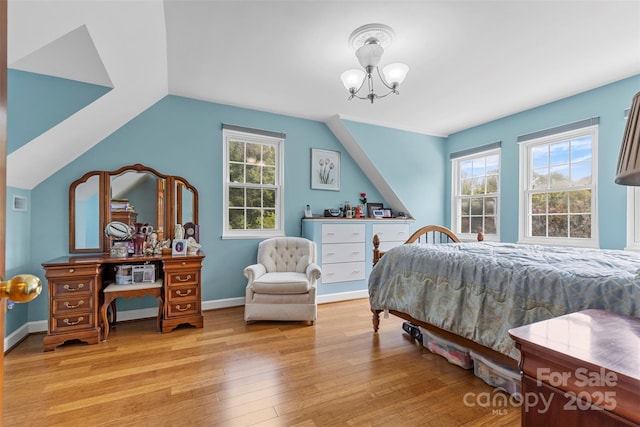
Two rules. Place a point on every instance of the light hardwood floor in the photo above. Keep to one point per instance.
(335, 373)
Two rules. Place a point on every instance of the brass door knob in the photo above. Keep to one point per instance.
(21, 288)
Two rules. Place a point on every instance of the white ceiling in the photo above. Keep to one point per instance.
(470, 61)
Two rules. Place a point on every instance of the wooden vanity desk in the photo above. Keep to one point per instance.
(75, 286)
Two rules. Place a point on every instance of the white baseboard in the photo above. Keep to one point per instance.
(41, 325)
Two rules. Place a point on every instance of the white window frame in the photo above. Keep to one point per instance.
(524, 205)
(235, 135)
(633, 222)
(456, 196)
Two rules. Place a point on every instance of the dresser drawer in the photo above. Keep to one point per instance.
(342, 252)
(71, 321)
(66, 271)
(185, 308)
(183, 293)
(343, 272)
(72, 305)
(343, 233)
(71, 286)
(180, 278)
(391, 232)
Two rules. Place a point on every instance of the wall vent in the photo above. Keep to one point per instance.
(20, 203)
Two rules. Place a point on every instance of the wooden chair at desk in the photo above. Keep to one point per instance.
(114, 291)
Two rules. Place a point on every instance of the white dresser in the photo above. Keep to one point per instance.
(343, 251)
(345, 248)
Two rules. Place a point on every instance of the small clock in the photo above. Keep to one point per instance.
(192, 230)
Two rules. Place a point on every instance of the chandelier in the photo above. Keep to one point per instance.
(370, 41)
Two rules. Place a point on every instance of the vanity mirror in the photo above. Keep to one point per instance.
(131, 194)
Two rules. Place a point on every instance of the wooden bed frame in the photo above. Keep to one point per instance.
(435, 234)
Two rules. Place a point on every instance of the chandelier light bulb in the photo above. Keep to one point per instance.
(352, 79)
(395, 73)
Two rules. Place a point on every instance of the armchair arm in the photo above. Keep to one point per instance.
(254, 271)
(313, 272)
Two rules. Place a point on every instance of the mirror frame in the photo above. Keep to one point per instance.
(169, 210)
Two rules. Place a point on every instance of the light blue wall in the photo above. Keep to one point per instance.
(181, 136)
(607, 102)
(413, 165)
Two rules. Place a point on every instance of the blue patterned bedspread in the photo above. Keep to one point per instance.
(481, 290)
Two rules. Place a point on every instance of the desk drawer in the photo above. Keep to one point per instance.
(391, 232)
(343, 233)
(185, 308)
(181, 278)
(343, 272)
(342, 252)
(72, 286)
(183, 293)
(72, 305)
(71, 322)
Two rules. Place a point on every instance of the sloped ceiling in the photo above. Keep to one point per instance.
(470, 61)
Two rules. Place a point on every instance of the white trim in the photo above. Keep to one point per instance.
(633, 221)
(523, 203)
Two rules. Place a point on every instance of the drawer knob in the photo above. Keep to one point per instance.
(70, 323)
(183, 294)
(71, 270)
(183, 263)
(77, 288)
(183, 309)
(186, 279)
(67, 305)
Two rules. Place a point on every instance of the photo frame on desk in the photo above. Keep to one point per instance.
(179, 247)
(373, 207)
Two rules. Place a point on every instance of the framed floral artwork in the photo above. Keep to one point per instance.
(325, 169)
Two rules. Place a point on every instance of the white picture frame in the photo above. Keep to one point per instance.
(325, 169)
(179, 247)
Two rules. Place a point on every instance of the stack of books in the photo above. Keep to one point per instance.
(121, 205)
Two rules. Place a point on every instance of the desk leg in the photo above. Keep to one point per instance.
(103, 313)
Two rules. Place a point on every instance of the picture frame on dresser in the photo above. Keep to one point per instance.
(325, 169)
(179, 247)
(373, 207)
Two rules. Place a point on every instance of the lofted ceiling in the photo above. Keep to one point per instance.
(470, 61)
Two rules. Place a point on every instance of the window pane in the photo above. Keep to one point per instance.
(236, 197)
(254, 198)
(490, 206)
(476, 224)
(254, 153)
(492, 184)
(478, 186)
(581, 173)
(539, 225)
(539, 179)
(465, 224)
(268, 175)
(269, 219)
(558, 225)
(538, 203)
(253, 174)
(559, 153)
(236, 151)
(236, 219)
(492, 165)
(490, 225)
(560, 176)
(478, 167)
(465, 169)
(580, 226)
(580, 201)
(558, 202)
(476, 206)
(236, 173)
(269, 155)
(464, 206)
(540, 157)
(467, 187)
(581, 149)
(254, 219)
(269, 198)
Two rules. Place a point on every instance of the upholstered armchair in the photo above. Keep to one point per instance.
(282, 284)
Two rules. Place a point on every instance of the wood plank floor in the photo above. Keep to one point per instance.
(335, 373)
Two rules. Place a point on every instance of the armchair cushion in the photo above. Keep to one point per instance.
(281, 283)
